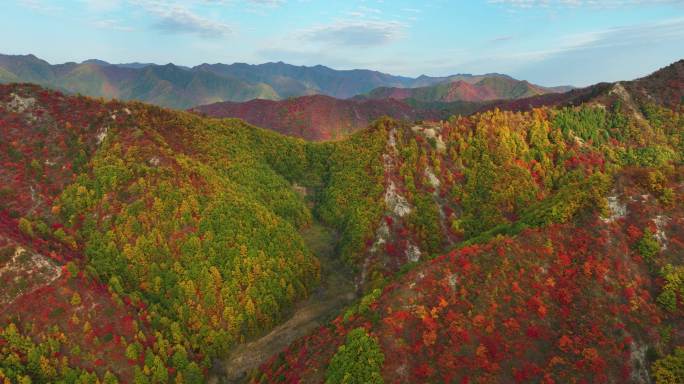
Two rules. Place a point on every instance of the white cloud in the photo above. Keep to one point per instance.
(355, 33)
(584, 58)
(176, 18)
(181, 20)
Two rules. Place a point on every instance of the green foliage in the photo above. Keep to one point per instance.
(203, 231)
(424, 222)
(492, 193)
(566, 204)
(26, 227)
(364, 305)
(587, 123)
(24, 361)
(666, 123)
(650, 156)
(133, 351)
(358, 361)
(673, 288)
(569, 201)
(648, 246)
(351, 200)
(669, 369)
(198, 219)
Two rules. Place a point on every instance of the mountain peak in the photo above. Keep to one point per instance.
(95, 61)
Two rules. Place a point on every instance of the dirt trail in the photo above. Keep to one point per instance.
(334, 293)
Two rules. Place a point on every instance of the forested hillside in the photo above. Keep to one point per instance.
(565, 226)
(139, 244)
(162, 237)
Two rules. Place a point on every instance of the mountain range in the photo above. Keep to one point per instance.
(183, 87)
(530, 240)
(462, 88)
(324, 118)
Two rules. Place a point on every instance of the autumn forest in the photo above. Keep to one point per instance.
(511, 239)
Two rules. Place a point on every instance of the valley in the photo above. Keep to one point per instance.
(536, 239)
(336, 290)
(342, 192)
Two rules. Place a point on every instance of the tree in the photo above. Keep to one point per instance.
(133, 351)
(75, 299)
(648, 246)
(359, 360)
(109, 378)
(669, 369)
(159, 372)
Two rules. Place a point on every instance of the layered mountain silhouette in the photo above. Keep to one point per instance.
(664, 87)
(183, 87)
(466, 88)
(319, 118)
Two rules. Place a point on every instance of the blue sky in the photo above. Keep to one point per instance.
(550, 42)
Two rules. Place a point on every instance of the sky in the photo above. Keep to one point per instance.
(548, 42)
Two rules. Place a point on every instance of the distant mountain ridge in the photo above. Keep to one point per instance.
(166, 85)
(290, 80)
(320, 117)
(466, 88)
(182, 87)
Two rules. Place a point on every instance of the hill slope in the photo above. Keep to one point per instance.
(573, 301)
(89, 187)
(572, 223)
(320, 118)
(664, 87)
(325, 118)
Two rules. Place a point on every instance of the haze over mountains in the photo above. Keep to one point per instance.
(466, 88)
(325, 118)
(182, 87)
